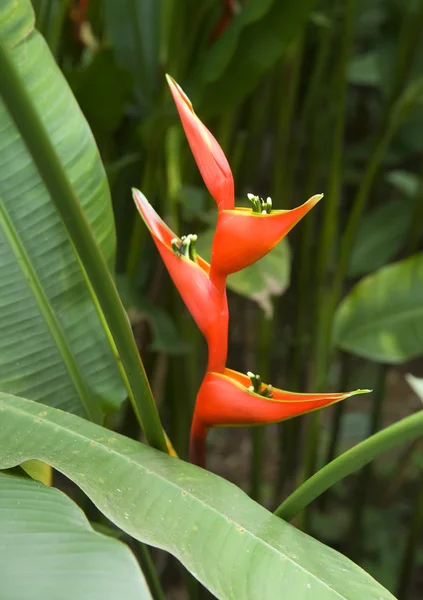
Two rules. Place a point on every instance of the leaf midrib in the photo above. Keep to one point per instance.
(110, 450)
(54, 326)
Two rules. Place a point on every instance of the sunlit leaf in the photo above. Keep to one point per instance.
(53, 348)
(49, 550)
(382, 317)
(222, 536)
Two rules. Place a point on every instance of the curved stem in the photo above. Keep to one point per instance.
(44, 155)
(150, 572)
(404, 431)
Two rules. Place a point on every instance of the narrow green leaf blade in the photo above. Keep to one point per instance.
(47, 545)
(382, 317)
(231, 544)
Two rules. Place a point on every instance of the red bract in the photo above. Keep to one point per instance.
(206, 303)
(242, 236)
(209, 156)
(229, 399)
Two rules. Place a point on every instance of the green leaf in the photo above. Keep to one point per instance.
(405, 182)
(102, 89)
(231, 544)
(250, 46)
(17, 19)
(382, 234)
(166, 338)
(404, 431)
(133, 29)
(363, 70)
(53, 347)
(49, 550)
(382, 317)
(268, 277)
(416, 384)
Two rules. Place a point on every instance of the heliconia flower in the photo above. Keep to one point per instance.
(209, 156)
(231, 398)
(190, 274)
(243, 236)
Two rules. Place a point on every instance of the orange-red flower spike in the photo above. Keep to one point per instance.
(206, 303)
(209, 156)
(242, 236)
(231, 398)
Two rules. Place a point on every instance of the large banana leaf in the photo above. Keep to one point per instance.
(238, 549)
(49, 550)
(53, 348)
(382, 317)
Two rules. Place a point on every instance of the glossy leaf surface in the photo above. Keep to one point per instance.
(49, 550)
(53, 348)
(382, 317)
(231, 544)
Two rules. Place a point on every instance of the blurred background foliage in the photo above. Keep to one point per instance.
(304, 97)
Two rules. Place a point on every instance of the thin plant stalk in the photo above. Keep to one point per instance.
(33, 132)
(290, 433)
(331, 201)
(311, 134)
(364, 479)
(328, 236)
(397, 103)
(338, 412)
(265, 328)
(139, 231)
(251, 165)
(287, 94)
(416, 230)
(150, 573)
(306, 121)
(389, 122)
(409, 560)
(404, 431)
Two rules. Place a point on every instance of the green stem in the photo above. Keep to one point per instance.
(404, 431)
(417, 222)
(313, 132)
(327, 240)
(338, 411)
(328, 302)
(306, 120)
(365, 477)
(286, 98)
(150, 573)
(331, 203)
(409, 560)
(395, 108)
(33, 132)
(264, 338)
